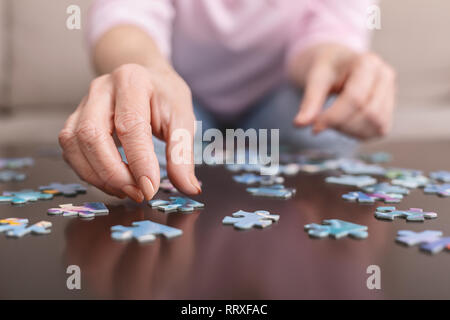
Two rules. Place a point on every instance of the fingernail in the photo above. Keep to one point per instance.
(133, 192)
(196, 184)
(147, 187)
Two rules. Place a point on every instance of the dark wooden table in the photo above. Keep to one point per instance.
(213, 261)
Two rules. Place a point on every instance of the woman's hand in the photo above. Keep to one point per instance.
(365, 85)
(133, 102)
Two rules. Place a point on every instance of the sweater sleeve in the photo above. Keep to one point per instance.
(155, 17)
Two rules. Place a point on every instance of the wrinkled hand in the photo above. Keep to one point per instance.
(366, 93)
(134, 103)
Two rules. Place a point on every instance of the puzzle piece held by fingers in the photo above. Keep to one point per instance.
(443, 176)
(24, 196)
(349, 180)
(274, 191)
(15, 163)
(362, 197)
(144, 231)
(337, 229)
(442, 190)
(181, 204)
(246, 220)
(87, 210)
(17, 228)
(413, 214)
(387, 188)
(250, 178)
(67, 190)
(10, 175)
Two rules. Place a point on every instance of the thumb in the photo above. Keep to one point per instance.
(317, 88)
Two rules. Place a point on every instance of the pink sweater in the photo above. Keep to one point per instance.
(231, 52)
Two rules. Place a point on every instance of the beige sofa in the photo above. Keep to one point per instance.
(44, 69)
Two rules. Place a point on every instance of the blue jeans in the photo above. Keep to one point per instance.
(277, 111)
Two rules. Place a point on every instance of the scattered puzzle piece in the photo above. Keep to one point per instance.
(377, 157)
(354, 167)
(436, 246)
(9, 175)
(67, 190)
(15, 163)
(88, 210)
(24, 196)
(337, 229)
(395, 173)
(319, 167)
(442, 190)
(181, 204)
(348, 180)
(18, 227)
(362, 197)
(246, 220)
(385, 187)
(411, 238)
(443, 176)
(250, 178)
(144, 231)
(413, 214)
(274, 191)
(411, 182)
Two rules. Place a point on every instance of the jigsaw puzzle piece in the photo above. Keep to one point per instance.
(362, 197)
(250, 178)
(411, 238)
(443, 176)
(24, 196)
(181, 204)
(413, 214)
(355, 167)
(88, 210)
(15, 163)
(144, 231)
(246, 220)
(395, 173)
(349, 180)
(275, 191)
(18, 228)
(67, 190)
(337, 229)
(436, 246)
(386, 188)
(377, 157)
(442, 190)
(411, 182)
(10, 175)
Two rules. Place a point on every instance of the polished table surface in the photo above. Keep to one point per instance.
(214, 261)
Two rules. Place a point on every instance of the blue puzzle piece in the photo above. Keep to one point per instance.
(411, 238)
(411, 182)
(144, 231)
(377, 157)
(67, 190)
(385, 187)
(442, 190)
(9, 175)
(354, 167)
(395, 173)
(17, 228)
(362, 197)
(246, 220)
(15, 163)
(181, 204)
(436, 246)
(337, 229)
(250, 178)
(24, 196)
(349, 180)
(443, 176)
(275, 191)
(413, 214)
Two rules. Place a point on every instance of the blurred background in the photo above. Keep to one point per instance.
(45, 69)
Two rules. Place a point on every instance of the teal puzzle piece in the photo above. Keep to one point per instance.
(275, 191)
(24, 196)
(144, 231)
(337, 229)
(181, 204)
(413, 214)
